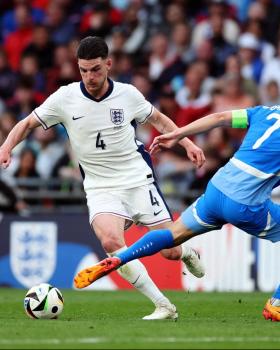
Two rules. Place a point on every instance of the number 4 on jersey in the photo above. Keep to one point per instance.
(99, 142)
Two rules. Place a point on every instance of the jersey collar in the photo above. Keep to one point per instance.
(107, 93)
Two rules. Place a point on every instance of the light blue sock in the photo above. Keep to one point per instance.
(151, 243)
(276, 294)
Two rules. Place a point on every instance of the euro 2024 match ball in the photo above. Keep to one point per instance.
(43, 301)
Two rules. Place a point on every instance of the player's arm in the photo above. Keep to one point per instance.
(16, 135)
(165, 125)
(237, 119)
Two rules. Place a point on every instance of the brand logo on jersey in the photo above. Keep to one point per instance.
(76, 118)
(117, 116)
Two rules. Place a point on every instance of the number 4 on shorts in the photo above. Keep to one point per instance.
(154, 200)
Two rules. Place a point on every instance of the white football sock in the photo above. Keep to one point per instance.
(137, 275)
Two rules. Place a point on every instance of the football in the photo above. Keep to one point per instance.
(43, 301)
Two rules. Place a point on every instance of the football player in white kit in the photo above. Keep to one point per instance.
(100, 116)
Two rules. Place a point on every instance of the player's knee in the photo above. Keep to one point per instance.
(111, 243)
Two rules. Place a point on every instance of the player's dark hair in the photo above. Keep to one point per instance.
(92, 47)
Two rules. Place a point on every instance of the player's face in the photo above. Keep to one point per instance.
(94, 73)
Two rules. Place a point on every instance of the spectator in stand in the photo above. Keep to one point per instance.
(29, 69)
(191, 94)
(271, 70)
(49, 150)
(216, 8)
(41, 47)
(219, 140)
(222, 47)
(61, 55)
(8, 78)
(124, 69)
(26, 171)
(180, 116)
(231, 97)
(202, 69)
(249, 54)
(181, 42)
(99, 19)
(61, 29)
(269, 12)
(135, 29)
(143, 84)
(233, 66)
(160, 55)
(175, 13)
(231, 94)
(257, 28)
(17, 41)
(25, 98)
(67, 166)
(116, 40)
(26, 166)
(271, 94)
(165, 66)
(9, 22)
(73, 46)
(67, 73)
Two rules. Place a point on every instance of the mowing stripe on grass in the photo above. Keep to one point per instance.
(99, 340)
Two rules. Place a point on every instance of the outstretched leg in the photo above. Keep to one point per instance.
(187, 226)
(149, 244)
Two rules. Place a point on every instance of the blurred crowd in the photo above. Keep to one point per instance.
(187, 57)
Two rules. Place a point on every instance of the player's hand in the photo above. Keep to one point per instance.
(164, 141)
(5, 158)
(196, 155)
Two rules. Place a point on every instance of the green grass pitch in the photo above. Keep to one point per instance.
(112, 320)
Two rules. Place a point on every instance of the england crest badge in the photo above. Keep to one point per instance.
(33, 248)
(117, 116)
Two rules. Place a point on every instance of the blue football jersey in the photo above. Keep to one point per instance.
(254, 170)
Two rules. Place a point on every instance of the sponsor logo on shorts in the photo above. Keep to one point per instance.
(158, 212)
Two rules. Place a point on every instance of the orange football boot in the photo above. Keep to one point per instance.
(87, 276)
(271, 312)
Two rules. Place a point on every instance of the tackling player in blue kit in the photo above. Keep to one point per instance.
(239, 193)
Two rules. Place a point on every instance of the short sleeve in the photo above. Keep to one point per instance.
(49, 113)
(143, 109)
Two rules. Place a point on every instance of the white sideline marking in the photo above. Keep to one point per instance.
(98, 340)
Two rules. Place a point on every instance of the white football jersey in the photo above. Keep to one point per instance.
(102, 133)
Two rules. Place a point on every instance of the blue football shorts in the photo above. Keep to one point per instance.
(214, 209)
